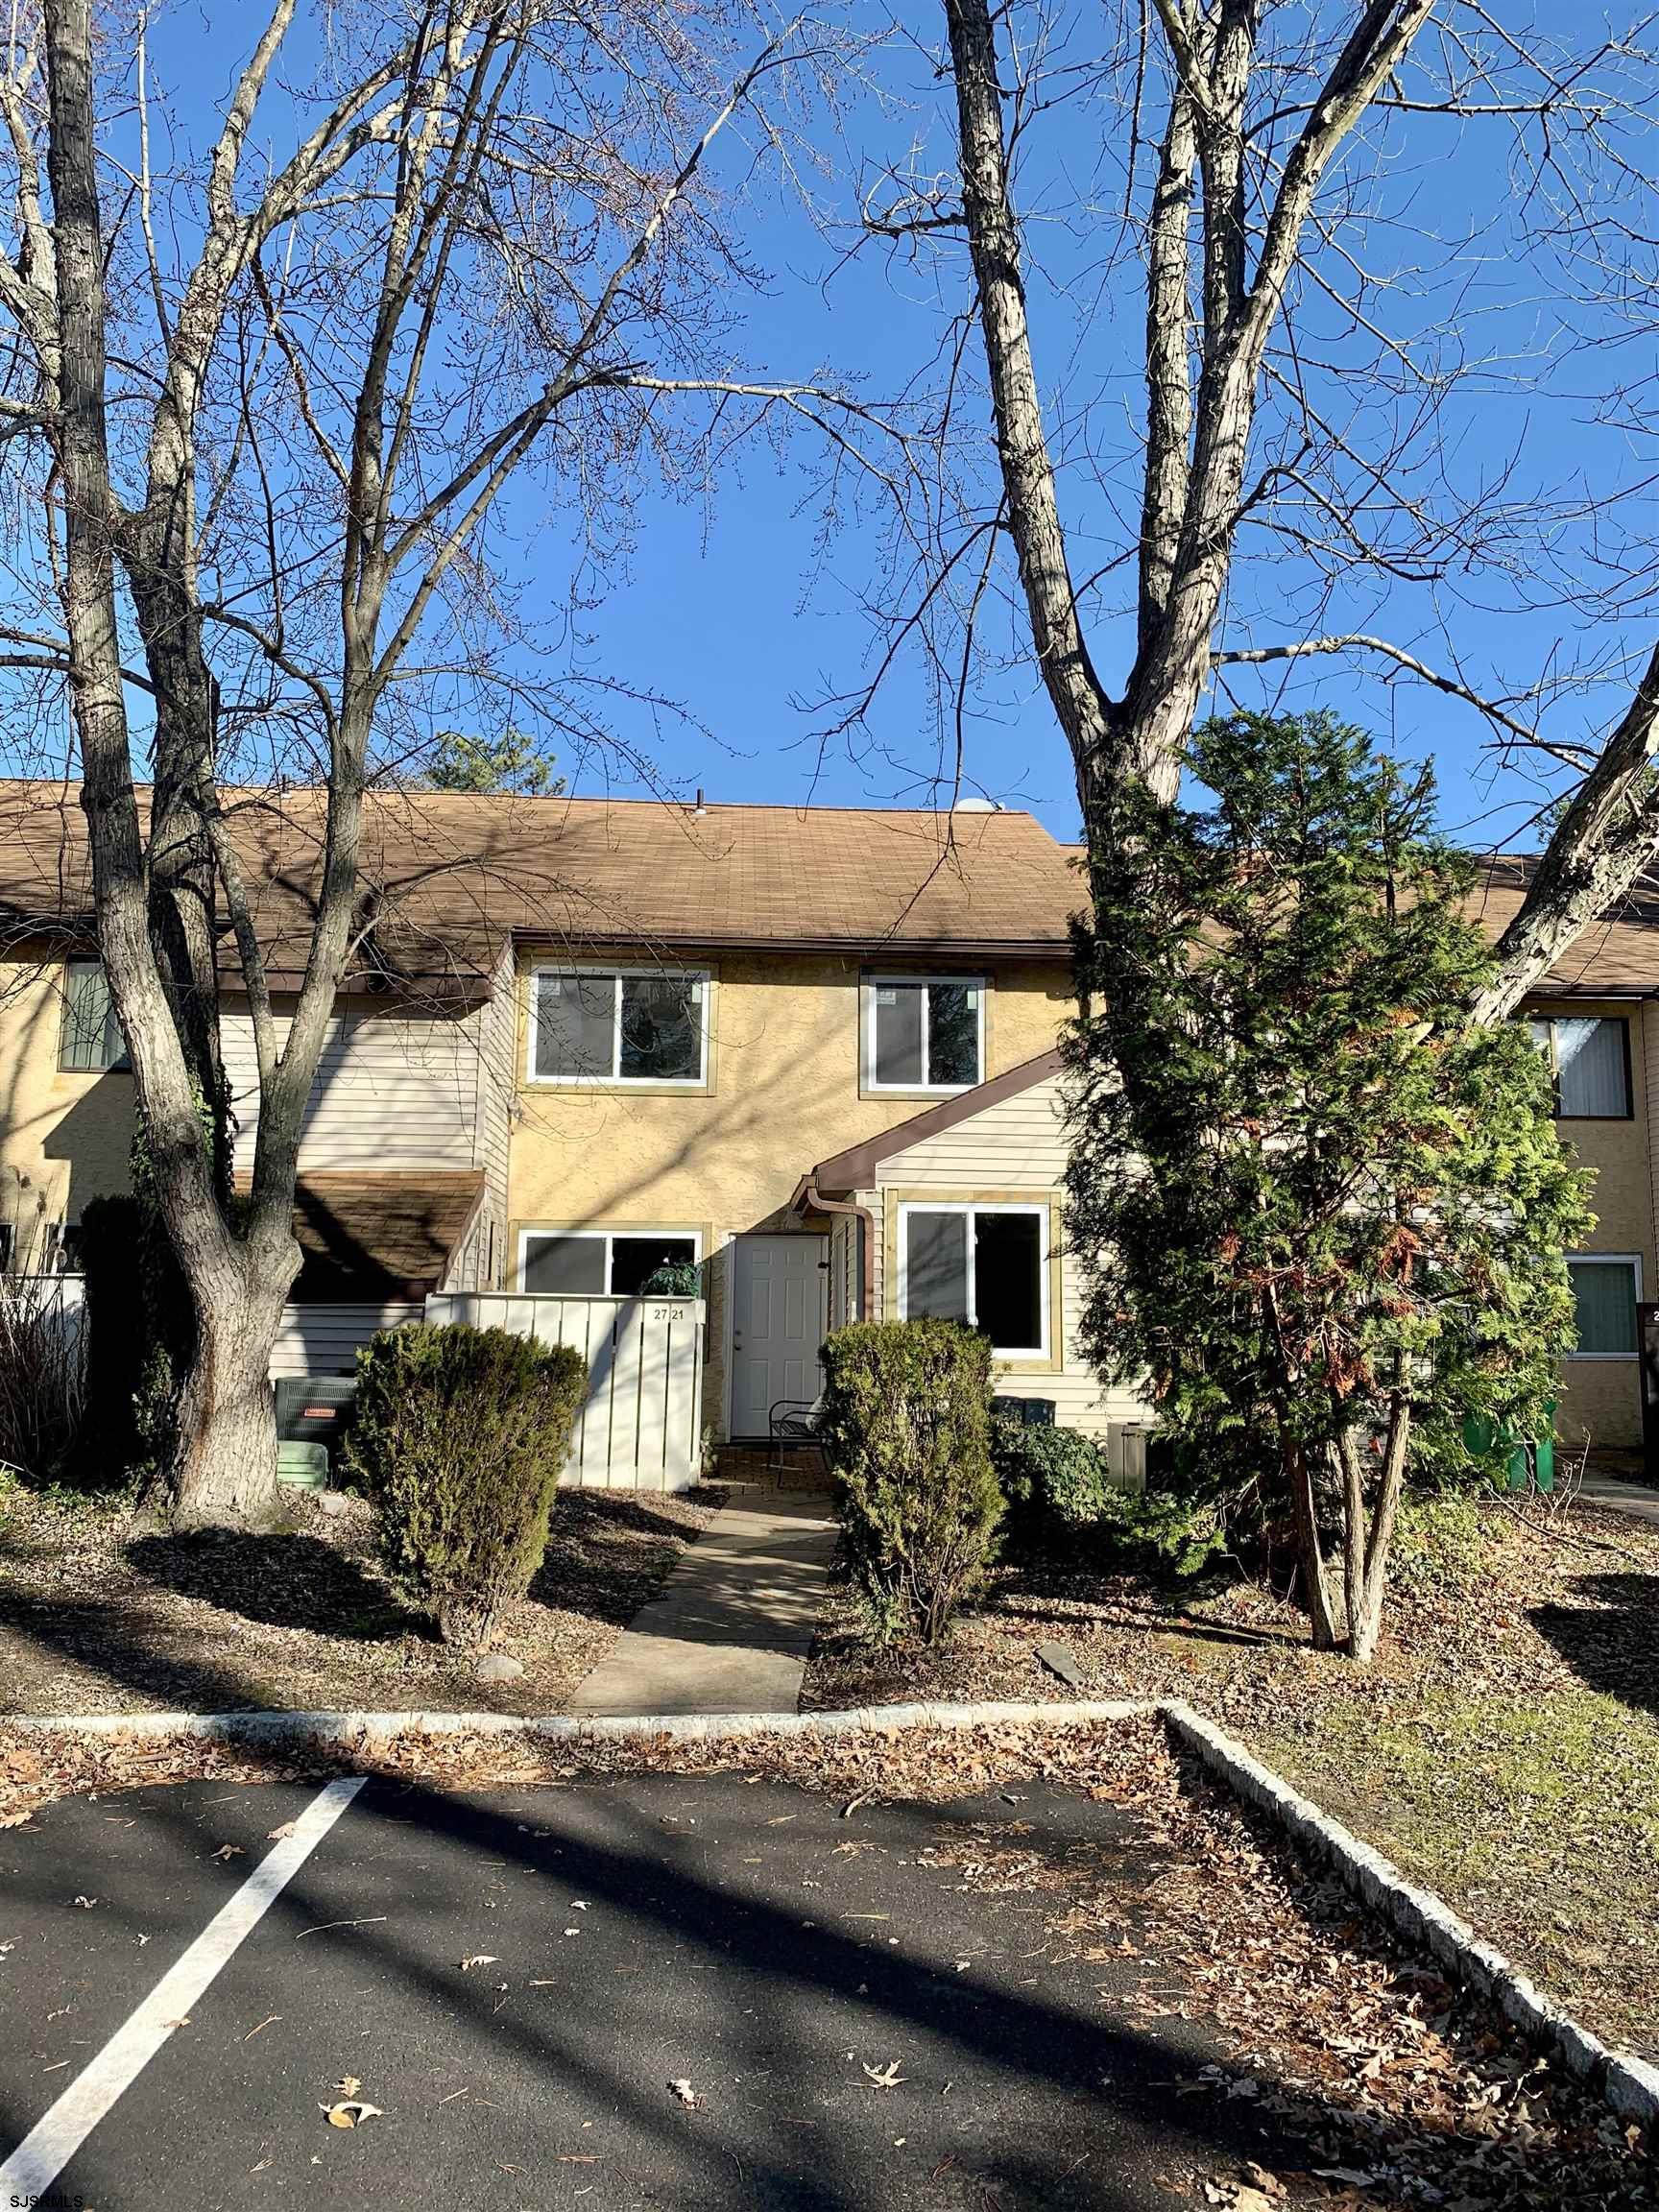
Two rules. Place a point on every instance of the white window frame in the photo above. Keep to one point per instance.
(616, 976)
(872, 982)
(606, 1237)
(1630, 1259)
(971, 1209)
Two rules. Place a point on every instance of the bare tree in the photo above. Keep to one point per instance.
(272, 404)
(1306, 327)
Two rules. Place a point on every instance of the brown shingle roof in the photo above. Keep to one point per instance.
(449, 877)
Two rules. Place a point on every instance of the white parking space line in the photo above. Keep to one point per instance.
(50, 2145)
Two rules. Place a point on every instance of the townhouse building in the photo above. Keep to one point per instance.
(802, 1060)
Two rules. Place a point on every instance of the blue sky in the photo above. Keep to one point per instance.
(744, 611)
(737, 611)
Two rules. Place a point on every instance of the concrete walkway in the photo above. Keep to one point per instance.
(1633, 1498)
(729, 1630)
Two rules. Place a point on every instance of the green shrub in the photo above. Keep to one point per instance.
(1053, 1481)
(459, 1435)
(907, 1422)
(674, 1279)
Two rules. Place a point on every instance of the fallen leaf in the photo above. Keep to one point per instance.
(87, 1902)
(478, 1959)
(887, 2078)
(687, 2095)
(350, 2112)
(229, 1851)
(275, 1835)
(348, 2086)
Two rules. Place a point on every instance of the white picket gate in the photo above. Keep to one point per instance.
(640, 1426)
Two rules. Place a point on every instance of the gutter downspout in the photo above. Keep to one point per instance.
(807, 1194)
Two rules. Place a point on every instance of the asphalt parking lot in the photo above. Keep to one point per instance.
(851, 2021)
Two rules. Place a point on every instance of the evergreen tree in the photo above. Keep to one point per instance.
(509, 763)
(1315, 1204)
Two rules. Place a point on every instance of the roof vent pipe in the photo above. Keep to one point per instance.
(699, 809)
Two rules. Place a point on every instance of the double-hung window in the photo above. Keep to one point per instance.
(924, 1032)
(90, 1039)
(1589, 1060)
(1605, 1290)
(625, 1026)
(987, 1265)
(601, 1263)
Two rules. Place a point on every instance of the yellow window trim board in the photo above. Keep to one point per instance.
(621, 971)
(896, 1202)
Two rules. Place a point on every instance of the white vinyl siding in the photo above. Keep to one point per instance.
(1016, 1145)
(391, 1090)
(323, 1339)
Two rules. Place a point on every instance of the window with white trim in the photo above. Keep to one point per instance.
(1606, 1287)
(1589, 1058)
(601, 1263)
(924, 1032)
(987, 1265)
(620, 1026)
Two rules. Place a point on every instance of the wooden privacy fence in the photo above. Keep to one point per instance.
(640, 1426)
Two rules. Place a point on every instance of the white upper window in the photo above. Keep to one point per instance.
(924, 1032)
(1589, 1057)
(619, 1026)
(987, 1265)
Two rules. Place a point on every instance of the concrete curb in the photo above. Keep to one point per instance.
(363, 1730)
(1630, 2084)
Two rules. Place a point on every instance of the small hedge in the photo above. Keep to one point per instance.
(1053, 1480)
(459, 1435)
(907, 1421)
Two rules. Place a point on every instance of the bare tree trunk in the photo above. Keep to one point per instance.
(224, 1475)
(1309, 1550)
(229, 1327)
(1364, 1626)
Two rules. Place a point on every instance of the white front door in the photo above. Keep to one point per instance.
(779, 1312)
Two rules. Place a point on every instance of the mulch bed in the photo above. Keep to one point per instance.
(1400, 2089)
(101, 1614)
(1504, 1748)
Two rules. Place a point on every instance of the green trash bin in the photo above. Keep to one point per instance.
(1527, 1464)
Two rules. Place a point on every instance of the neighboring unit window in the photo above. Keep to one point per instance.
(598, 1262)
(91, 1036)
(1589, 1060)
(923, 1034)
(1605, 1292)
(616, 1029)
(982, 1265)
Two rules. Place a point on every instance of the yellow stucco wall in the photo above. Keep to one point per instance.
(782, 1093)
(1600, 1397)
(64, 1137)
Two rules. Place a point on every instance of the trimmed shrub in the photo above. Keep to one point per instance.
(1054, 1481)
(907, 1421)
(459, 1435)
